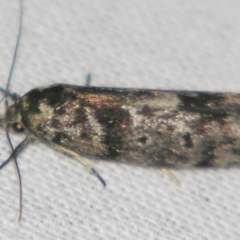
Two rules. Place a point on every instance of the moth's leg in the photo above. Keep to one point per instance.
(83, 161)
(171, 175)
(13, 156)
(13, 96)
(88, 80)
(16, 151)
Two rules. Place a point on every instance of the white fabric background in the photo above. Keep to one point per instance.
(186, 44)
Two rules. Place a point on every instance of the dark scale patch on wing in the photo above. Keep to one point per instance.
(58, 96)
(146, 111)
(232, 142)
(113, 143)
(208, 105)
(53, 96)
(234, 107)
(112, 117)
(60, 138)
(85, 135)
(198, 101)
(142, 140)
(39, 128)
(208, 155)
(55, 123)
(218, 116)
(115, 121)
(201, 125)
(80, 116)
(188, 140)
(236, 151)
(229, 141)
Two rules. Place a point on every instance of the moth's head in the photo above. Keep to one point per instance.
(12, 119)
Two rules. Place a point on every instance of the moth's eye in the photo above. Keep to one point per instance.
(17, 127)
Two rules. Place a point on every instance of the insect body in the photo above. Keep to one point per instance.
(147, 127)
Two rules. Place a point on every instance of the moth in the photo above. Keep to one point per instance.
(163, 129)
(171, 129)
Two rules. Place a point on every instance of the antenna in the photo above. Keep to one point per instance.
(16, 46)
(6, 104)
